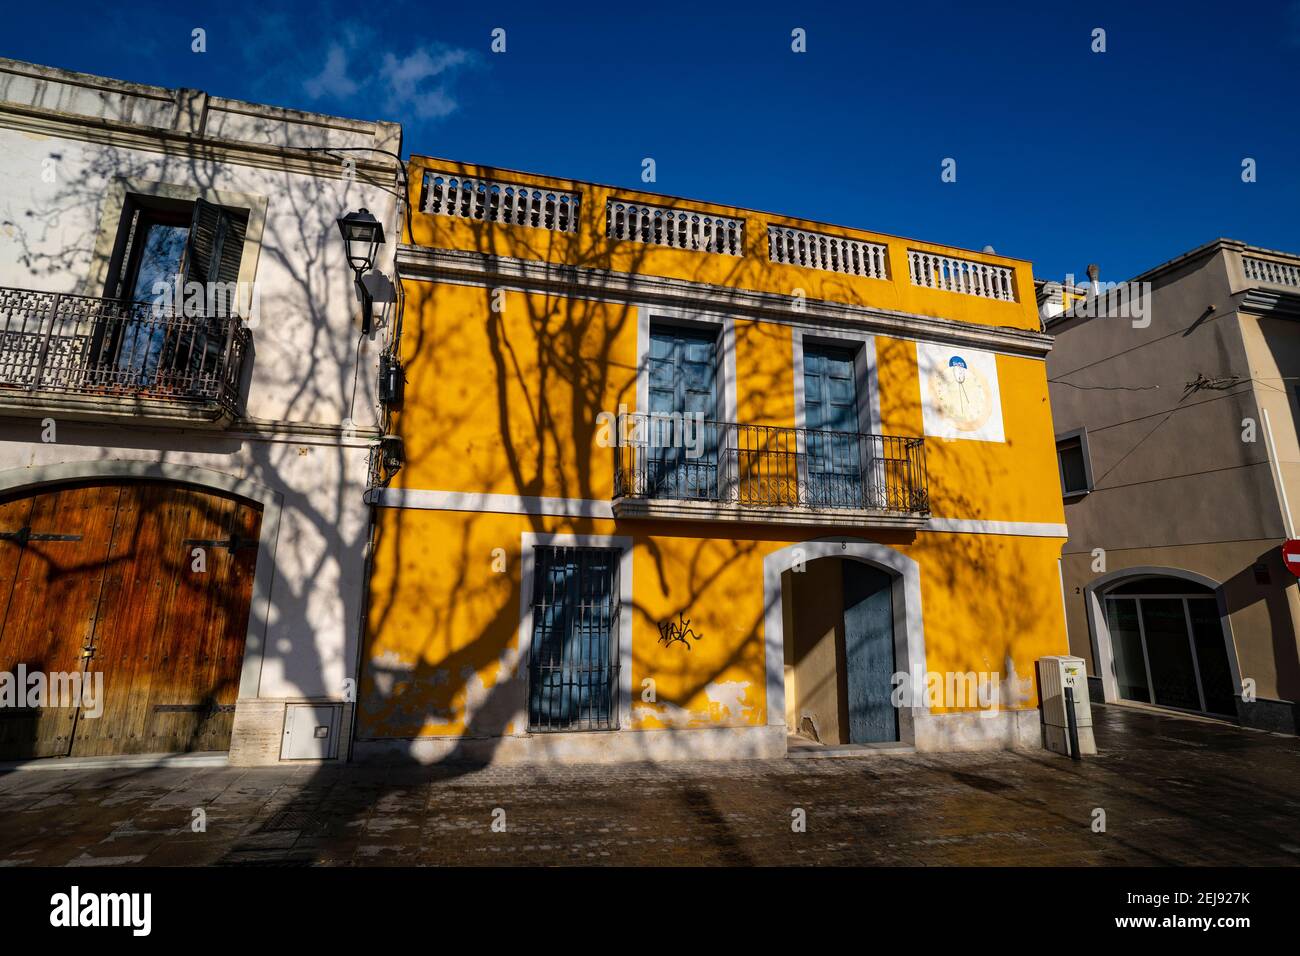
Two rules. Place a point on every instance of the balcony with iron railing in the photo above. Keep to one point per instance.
(680, 468)
(102, 358)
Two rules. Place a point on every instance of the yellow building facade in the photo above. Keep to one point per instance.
(686, 480)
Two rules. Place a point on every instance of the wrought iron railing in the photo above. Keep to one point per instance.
(74, 344)
(681, 458)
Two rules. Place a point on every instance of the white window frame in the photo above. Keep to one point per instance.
(864, 373)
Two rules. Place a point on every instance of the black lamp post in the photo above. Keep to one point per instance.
(362, 236)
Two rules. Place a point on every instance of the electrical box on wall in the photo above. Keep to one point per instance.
(392, 381)
(1055, 675)
(311, 731)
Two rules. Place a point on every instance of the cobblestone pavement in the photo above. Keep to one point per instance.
(1174, 790)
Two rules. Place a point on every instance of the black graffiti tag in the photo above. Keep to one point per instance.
(678, 630)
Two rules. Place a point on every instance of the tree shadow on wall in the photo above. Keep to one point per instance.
(309, 367)
(548, 375)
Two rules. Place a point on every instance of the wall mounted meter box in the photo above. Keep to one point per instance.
(311, 732)
(1055, 674)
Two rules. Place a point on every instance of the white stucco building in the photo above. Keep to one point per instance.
(181, 495)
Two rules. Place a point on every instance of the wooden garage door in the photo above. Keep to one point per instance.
(146, 583)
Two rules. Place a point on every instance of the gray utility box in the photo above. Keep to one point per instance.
(1055, 674)
(311, 731)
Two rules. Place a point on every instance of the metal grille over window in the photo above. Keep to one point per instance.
(483, 200)
(965, 276)
(573, 662)
(813, 250)
(674, 228)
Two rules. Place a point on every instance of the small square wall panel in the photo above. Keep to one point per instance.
(311, 731)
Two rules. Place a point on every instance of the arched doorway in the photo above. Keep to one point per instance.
(905, 607)
(1165, 640)
(839, 652)
(131, 598)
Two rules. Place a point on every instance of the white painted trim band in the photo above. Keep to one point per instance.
(423, 499)
(1028, 529)
(426, 500)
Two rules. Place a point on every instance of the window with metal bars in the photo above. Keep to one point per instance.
(573, 661)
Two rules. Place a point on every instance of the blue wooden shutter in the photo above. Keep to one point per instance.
(834, 455)
(683, 382)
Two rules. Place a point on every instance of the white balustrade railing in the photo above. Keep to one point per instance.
(1269, 270)
(484, 200)
(674, 228)
(854, 257)
(934, 271)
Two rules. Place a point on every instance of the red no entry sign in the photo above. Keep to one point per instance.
(1291, 556)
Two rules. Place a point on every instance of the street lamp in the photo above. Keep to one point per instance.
(362, 236)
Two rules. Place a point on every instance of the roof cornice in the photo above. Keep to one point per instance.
(424, 263)
(39, 119)
(1267, 302)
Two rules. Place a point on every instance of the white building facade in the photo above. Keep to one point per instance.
(182, 479)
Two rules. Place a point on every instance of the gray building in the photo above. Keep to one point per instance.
(1176, 400)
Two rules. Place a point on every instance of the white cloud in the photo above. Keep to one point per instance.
(333, 79)
(417, 84)
(409, 80)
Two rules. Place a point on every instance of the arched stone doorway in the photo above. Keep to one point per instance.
(842, 617)
(1161, 638)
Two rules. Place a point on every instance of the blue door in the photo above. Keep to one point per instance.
(682, 459)
(869, 653)
(832, 447)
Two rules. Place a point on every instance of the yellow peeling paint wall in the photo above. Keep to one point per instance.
(1014, 480)
(445, 611)
(504, 389)
(505, 401)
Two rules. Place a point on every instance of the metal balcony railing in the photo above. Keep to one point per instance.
(680, 458)
(87, 346)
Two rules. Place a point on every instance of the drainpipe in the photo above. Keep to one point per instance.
(1275, 467)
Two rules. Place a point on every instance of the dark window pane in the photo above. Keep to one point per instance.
(1074, 476)
(1212, 656)
(1170, 653)
(1126, 642)
(160, 259)
(1160, 586)
(140, 339)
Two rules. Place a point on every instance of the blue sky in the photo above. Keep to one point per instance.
(1063, 156)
